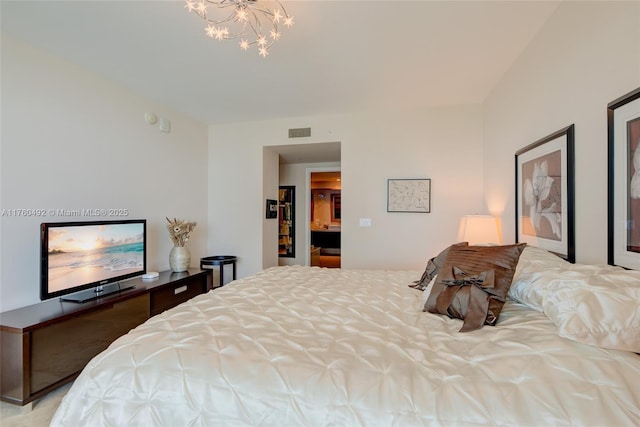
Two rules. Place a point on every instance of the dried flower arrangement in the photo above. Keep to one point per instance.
(179, 230)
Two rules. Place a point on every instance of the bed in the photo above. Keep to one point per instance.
(309, 346)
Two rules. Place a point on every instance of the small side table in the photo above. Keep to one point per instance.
(220, 261)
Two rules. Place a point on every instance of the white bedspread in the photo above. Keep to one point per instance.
(295, 346)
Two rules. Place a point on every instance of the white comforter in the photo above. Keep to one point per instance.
(295, 346)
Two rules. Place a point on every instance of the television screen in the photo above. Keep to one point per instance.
(90, 254)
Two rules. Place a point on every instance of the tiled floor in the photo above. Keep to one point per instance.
(39, 415)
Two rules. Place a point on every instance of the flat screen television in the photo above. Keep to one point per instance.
(89, 259)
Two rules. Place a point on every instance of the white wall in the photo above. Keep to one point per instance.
(586, 55)
(71, 140)
(270, 181)
(444, 144)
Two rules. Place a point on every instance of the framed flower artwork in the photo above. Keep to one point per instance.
(623, 119)
(545, 194)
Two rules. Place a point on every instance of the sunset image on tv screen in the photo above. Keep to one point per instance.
(86, 254)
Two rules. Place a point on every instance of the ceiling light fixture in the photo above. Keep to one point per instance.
(255, 23)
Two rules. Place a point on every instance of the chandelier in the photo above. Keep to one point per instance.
(252, 23)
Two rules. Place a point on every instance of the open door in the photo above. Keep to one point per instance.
(326, 218)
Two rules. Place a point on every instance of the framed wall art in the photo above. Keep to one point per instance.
(272, 209)
(409, 195)
(623, 224)
(545, 194)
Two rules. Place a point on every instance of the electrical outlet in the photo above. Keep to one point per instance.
(165, 125)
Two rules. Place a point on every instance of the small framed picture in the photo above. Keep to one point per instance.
(409, 195)
(545, 194)
(272, 209)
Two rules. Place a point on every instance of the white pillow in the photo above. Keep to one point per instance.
(591, 304)
(535, 264)
(603, 312)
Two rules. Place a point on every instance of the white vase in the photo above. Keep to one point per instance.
(179, 259)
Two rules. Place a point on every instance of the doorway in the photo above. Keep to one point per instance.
(325, 218)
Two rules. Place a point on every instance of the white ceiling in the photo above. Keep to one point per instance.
(340, 56)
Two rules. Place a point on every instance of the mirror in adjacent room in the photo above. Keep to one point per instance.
(335, 207)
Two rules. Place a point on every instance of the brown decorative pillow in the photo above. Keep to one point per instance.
(433, 266)
(473, 282)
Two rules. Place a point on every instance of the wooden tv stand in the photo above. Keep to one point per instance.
(46, 345)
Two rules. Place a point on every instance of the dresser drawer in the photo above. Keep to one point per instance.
(169, 296)
(64, 348)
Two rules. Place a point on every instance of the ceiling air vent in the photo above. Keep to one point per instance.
(299, 133)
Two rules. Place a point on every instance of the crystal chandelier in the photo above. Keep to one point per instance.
(253, 23)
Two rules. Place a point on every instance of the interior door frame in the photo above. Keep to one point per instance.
(307, 209)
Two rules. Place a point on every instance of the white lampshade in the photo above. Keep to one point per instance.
(479, 229)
